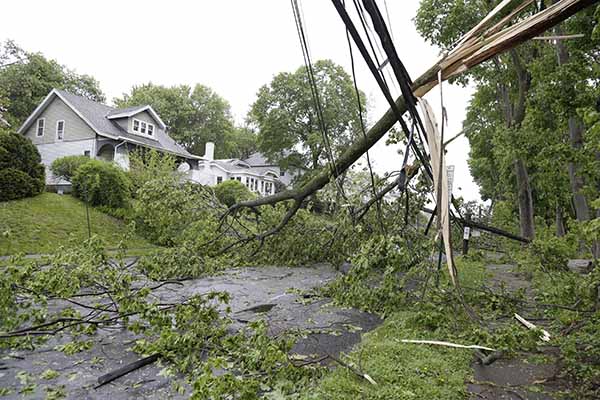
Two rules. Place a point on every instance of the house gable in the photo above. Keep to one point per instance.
(55, 110)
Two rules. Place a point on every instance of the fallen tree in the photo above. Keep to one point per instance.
(479, 45)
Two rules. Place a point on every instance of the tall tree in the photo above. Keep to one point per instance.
(26, 78)
(194, 116)
(286, 116)
(443, 22)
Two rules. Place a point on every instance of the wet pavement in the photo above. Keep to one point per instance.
(276, 294)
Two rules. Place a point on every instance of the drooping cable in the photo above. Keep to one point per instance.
(364, 132)
(374, 70)
(314, 90)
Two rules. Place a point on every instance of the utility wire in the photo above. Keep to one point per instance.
(314, 89)
(364, 132)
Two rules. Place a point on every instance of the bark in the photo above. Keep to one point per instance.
(560, 223)
(525, 200)
(515, 117)
(582, 211)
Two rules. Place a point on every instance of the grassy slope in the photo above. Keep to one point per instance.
(41, 224)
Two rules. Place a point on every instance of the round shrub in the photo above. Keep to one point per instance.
(231, 192)
(19, 158)
(65, 167)
(16, 184)
(100, 183)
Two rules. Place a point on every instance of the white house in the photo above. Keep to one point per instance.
(259, 179)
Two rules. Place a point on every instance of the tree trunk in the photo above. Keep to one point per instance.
(525, 200)
(560, 223)
(582, 211)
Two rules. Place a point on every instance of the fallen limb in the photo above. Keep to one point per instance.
(111, 376)
(354, 370)
(545, 336)
(476, 47)
(448, 344)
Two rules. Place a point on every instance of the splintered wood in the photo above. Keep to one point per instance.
(488, 39)
(437, 164)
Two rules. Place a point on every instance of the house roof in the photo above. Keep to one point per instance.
(101, 118)
(234, 165)
(256, 159)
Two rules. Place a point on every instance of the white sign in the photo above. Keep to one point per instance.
(450, 174)
(467, 233)
(476, 233)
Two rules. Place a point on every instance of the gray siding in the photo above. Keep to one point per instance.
(146, 117)
(75, 127)
(52, 151)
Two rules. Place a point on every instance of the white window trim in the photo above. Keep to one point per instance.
(144, 126)
(37, 127)
(63, 129)
(139, 130)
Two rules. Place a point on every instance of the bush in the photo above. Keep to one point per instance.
(21, 171)
(231, 192)
(16, 184)
(164, 208)
(101, 184)
(146, 165)
(65, 167)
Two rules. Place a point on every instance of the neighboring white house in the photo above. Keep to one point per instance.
(260, 179)
(65, 124)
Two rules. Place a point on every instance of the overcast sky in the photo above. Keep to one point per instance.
(233, 46)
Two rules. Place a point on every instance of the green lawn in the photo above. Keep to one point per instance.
(402, 371)
(39, 225)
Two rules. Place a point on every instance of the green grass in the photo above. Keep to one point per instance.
(404, 370)
(39, 225)
(401, 370)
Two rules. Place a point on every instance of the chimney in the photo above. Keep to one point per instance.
(209, 151)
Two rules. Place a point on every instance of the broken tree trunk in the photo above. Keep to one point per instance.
(471, 51)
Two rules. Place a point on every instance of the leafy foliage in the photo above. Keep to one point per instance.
(21, 171)
(286, 115)
(28, 77)
(100, 183)
(232, 191)
(195, 116)
(65, 167)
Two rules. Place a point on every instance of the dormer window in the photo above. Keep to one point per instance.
(41, 123)
(142, 127)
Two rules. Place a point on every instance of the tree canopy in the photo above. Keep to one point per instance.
(286, 116)
(194, 116)
(523, 125)
(26, 78)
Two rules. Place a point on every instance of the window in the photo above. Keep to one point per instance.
(262, 186)
(219, 179)
(60, 130)
(232, 178)
(282, 173)
(139, 126)
(41, 123)
(86, 153)
(239, 179)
